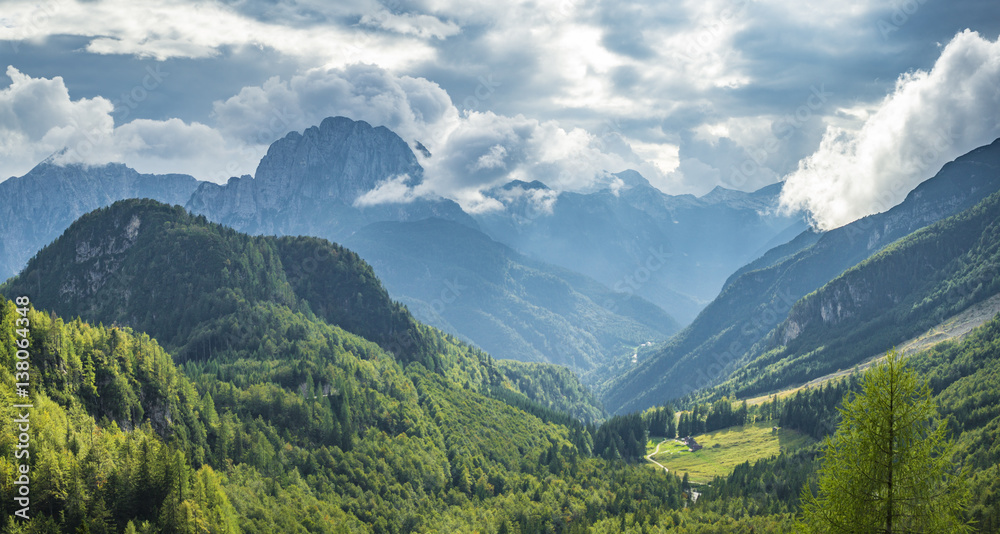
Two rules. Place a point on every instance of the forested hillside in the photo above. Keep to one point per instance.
(278, 421)
(759, 297)
(907, 288)
(177, 277)
(329, 434)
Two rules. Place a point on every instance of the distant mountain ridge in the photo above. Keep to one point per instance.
(309, 184)
(37, 207)
(674, 251)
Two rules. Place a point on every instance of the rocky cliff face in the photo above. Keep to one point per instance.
(308, 183)
(99, 256)
(337, 161)
(37, 207)
(838, 302)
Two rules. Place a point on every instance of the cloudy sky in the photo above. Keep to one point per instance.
(851, 102)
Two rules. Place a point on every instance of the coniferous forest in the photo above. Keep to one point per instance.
(262, 416)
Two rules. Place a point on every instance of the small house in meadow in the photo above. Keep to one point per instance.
(692, 444)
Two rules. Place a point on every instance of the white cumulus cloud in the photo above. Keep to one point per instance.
(929, 119)
(415, 108)
(38, 119)
(486, 150)
(393, 189)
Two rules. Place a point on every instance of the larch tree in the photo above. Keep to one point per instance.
(888, 469)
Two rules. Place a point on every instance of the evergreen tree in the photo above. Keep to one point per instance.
(887, 469)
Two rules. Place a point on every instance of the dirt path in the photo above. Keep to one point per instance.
(654, 453)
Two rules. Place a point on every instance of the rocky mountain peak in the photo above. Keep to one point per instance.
(308, 181)
(338, 160)
(632, 178)
(720, 194)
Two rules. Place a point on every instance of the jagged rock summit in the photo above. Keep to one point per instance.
(308, 184)
(338, 160)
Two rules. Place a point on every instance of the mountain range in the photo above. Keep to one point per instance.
(609, 289)
(290, 393)
(596, 281)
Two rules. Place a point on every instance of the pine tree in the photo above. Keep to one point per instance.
(888, 469)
